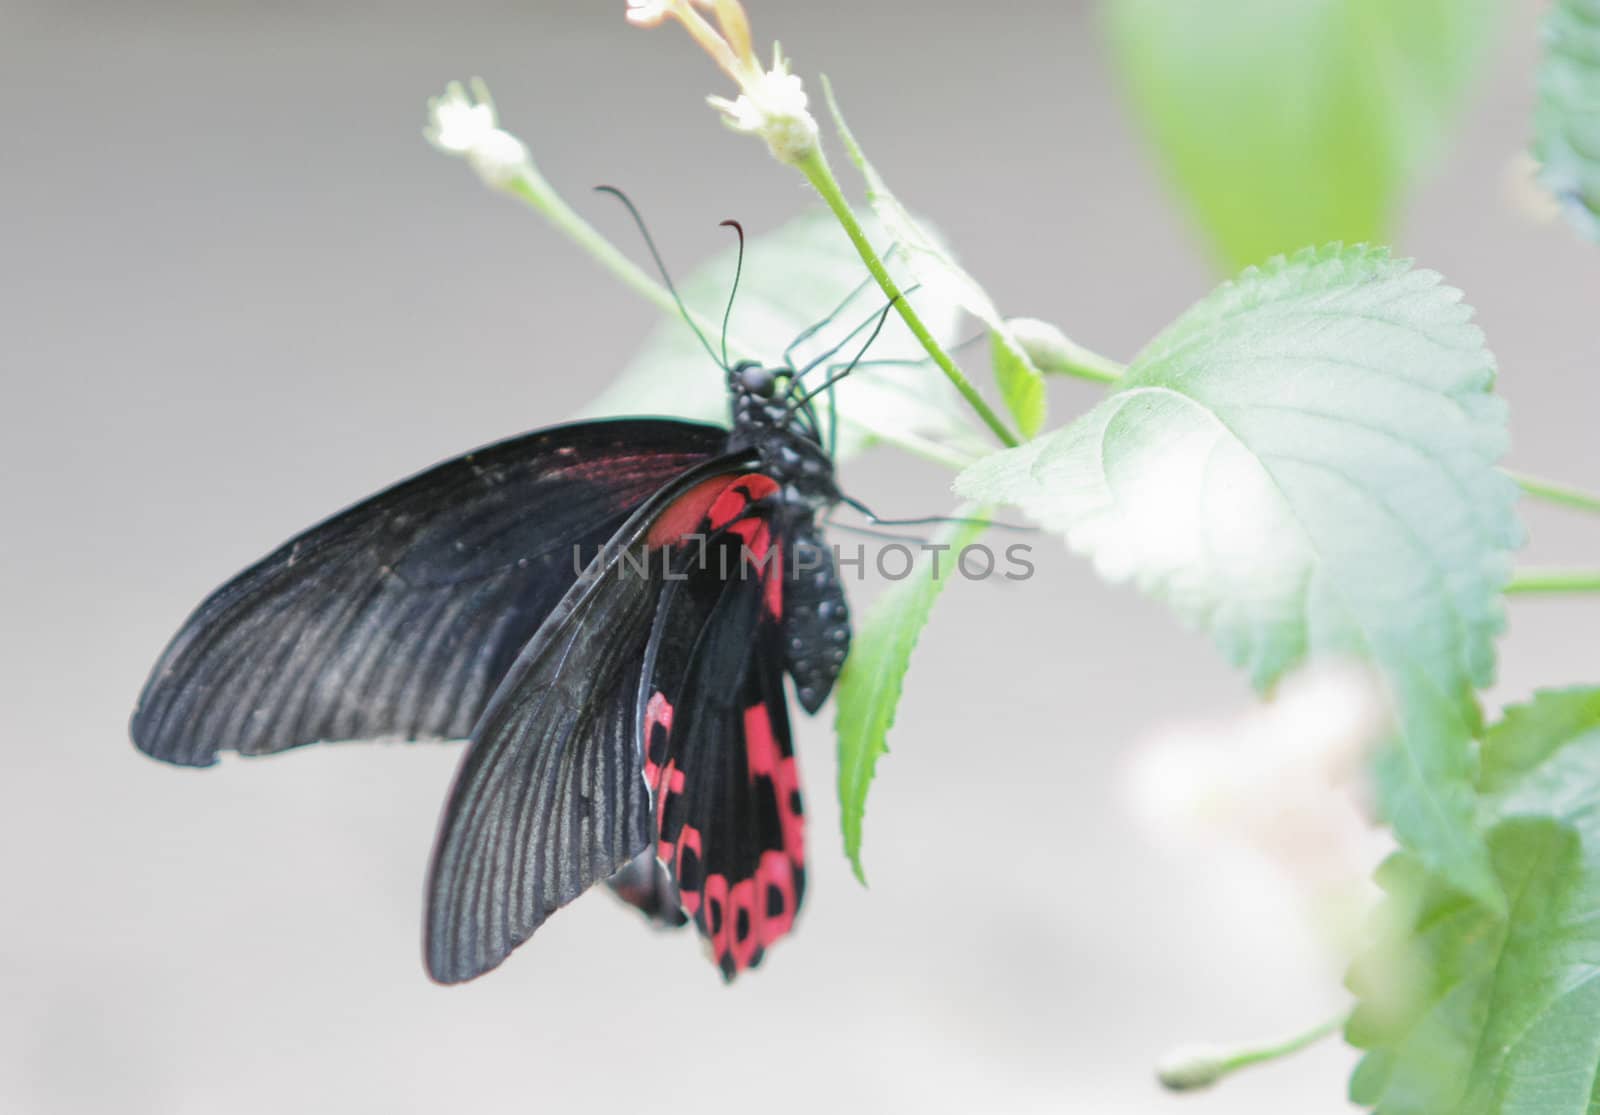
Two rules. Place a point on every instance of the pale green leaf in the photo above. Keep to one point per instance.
(1286, 123)
(1567, 122)
(1021, 384)
(1466, 1010)
(793, 278)
(869, 687)
(1304, 464)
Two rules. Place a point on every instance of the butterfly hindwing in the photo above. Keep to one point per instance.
(550, 797)
(715, 726)
(399, 616)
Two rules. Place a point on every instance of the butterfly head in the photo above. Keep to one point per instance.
(749, 378)
(771, 414)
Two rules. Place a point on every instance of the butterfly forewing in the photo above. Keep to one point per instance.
(399, 616)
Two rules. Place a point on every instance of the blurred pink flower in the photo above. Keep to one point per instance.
(1284, 783)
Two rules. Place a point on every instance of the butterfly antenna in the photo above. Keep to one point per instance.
(919, 361)
(868, 532)
(827, 384)
(738, 270)
(823, 358)
(661, 269)
(812, 330)
(931, 519)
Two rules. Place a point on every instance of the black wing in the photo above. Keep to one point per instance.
(718, 752)
(550, 798)
(645, 885)
(399, 616)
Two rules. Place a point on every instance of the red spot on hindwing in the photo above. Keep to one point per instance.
(786, 781)
(657, 733)
(777, 896)
(774, 585)
(741, 927)
(742, 917)
(668, 786)
(760, 744)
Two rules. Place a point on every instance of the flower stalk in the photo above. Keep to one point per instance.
(1200, 1066)
(1550, 491)
(466, 126)
(1549, 581)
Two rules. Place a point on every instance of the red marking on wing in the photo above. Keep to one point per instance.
(687, 513)
(709, 506)
(775, 876)
(786, 781)
(740, 925)
(753, 533)
(760, 745)
(774, 585)
(668, 783)
(763, 904)
(737, 497)
(658, 710)
(657, 729)
(764, 758)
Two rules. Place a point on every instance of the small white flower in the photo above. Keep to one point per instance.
(466, 126)
(773, 106)
(771, 102)
(650, 13)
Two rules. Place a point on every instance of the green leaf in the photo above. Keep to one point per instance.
(793, 278)
(1567, 121)
(1021, 384)
(869, 686)
(1498, 1014)
(1293, 122)
(1303, 464)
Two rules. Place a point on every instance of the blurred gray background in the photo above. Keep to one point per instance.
(238, 291)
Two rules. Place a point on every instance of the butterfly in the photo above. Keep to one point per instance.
(605, 611)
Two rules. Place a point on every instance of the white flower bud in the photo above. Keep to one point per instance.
(466, 126)
(771, 102)
(1192, 1067)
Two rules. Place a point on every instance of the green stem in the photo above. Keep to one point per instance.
(1554, 580)
(1202, 1068)
(814, 165)
(1080, 362)
(1552, 492)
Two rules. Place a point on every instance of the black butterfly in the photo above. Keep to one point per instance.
(605, 611)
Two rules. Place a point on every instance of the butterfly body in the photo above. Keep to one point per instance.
(605, 611)
(816, 616)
